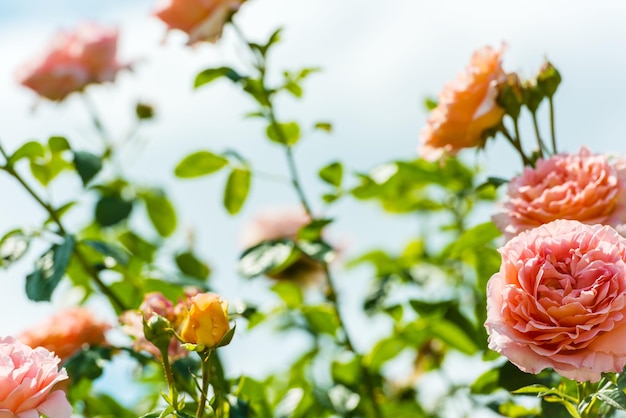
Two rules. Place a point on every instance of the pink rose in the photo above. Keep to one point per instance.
(67, 332)
(73, 61)
(559, 300)
(467, 108)
(202, 20)
(154, 303)
(27, 377)
(586, 187)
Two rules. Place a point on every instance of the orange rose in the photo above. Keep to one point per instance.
(66, 332)
(467, 107)
(202, 20)
(207, 320)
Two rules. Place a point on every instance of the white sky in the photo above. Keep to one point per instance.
(380, 59)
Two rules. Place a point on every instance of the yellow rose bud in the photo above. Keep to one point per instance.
(207, 320)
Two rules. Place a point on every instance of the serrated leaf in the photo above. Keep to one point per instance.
(212, 74)
(87, 165)
(161, 213)
(332, 174)
(237, 189)
(200, 163)
(49, 270)
(287, 133)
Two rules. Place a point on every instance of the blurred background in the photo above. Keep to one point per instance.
(379, 61)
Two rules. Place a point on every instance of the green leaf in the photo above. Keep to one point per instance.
(237, 188)
(430, 103)
(287, 133)
(161, 213)
(30, 150)
(88, 364)
(290, 293)
(453, 335)
(268, 257)
(200, 163)
(346, 372)
(109, 250)
(332, 174)
(189, 265)
(473, 238)
(324, 126)
(317, 250)
(87, 165)
(111, 210)
(13, 246)
(322, 319)
(253, 392)
(49, 270)
(212, 74)
(486, 383)
(613, 397)
(137, 246)
(383, 351)
(58, 144)
(313, 230)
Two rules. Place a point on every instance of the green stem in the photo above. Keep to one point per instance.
(167, 368)
(55, 218)
(540, 145)
(516, 144)
(206, 377)
(552, 129)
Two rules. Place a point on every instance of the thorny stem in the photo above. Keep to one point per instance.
(8, 167)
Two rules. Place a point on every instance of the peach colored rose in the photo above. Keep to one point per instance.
(559, 300)
(586, 187)
(27, 377)
(467, 108)
(207, 320)
(202, 20)
(284, 223)
(73, 61)
(67, 332)
(132, 324)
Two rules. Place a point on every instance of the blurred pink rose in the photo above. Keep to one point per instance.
(466, 108)
(27, 378)
(154, 303)
(73, 61)
(284, 223)
(67, 332)
(586, 187)
(559, 300)
(202, 20)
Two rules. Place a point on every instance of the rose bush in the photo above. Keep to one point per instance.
(586, 187)
(466, 107)
(67, 332)
(74, 60)
(27, 378)
(202, 20)
(559, 300)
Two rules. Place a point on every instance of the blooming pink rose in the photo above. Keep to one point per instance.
(559, 300)
(27, 377)
(67, 332)
(154, 303)
(467, 108)
(586, 187)
(202, 20)
(73, 61)
(284, 223)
